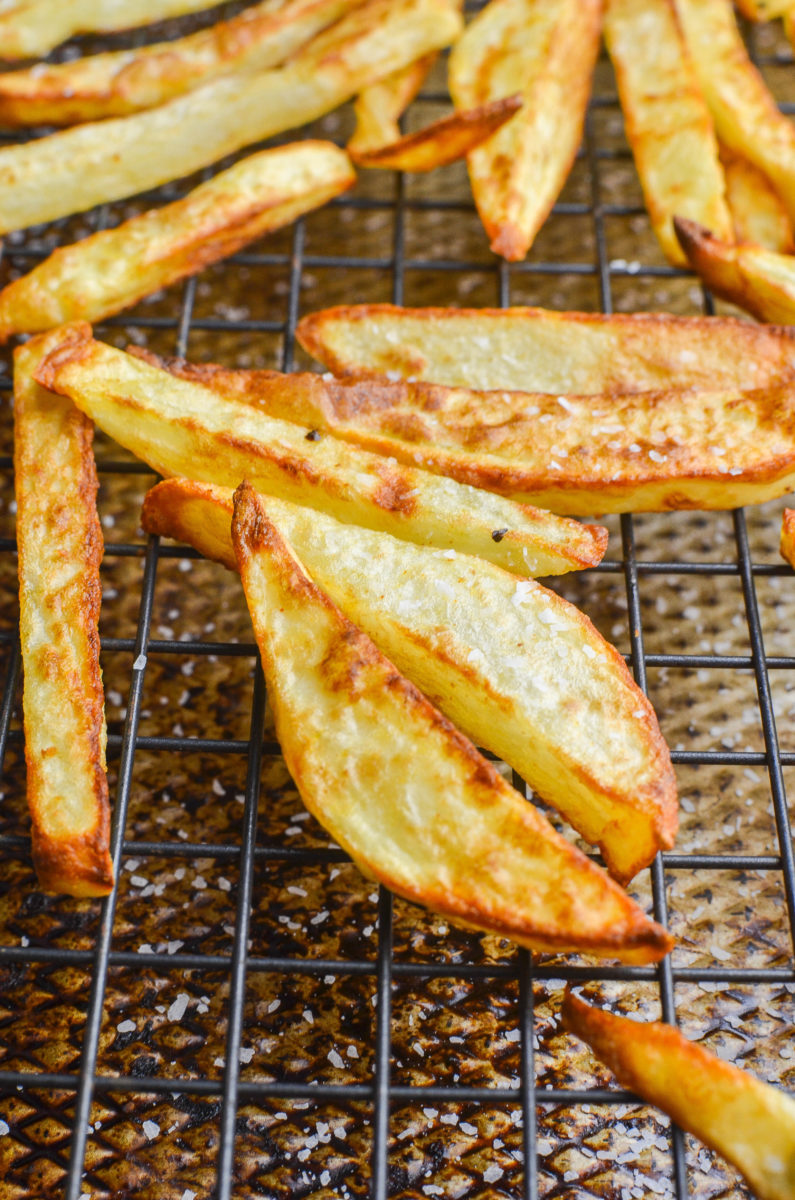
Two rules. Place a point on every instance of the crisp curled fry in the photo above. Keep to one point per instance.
(758, 280)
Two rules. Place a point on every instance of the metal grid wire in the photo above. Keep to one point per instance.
(380, 1091)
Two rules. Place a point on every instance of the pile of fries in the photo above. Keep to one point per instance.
(388, 520)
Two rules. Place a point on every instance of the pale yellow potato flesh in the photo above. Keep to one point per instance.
(544, 50)
(534, 349)
(503, 660)
(749, 1122)
(758, 214)
(115, 268)
(90, 164)
(758, 280)
(59, 541)
(31, 28)
(787, 544)
(125, 81)
(378, 108)
(399, 788)
(668, 124)
(745, 113)
(180, 428)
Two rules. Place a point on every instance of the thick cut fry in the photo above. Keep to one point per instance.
(180, 428)
(31, 28)
(787, 545)
(106, 160)
(378, 108)
(645, 451)
(115, 268)
(126, 81)
(442, 142)
(758, 215)
(532, 349)
(503, 660)
(758, 280)
(749, 1122)
(399, 788)
(746, 116)
(60, 546)
(545, 50)
(667, 121)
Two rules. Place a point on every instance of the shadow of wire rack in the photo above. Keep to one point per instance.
(247, 1016)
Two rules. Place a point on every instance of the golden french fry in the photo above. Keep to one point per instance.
(758, 215)
(635, 452)
(181, 428)
(545, 50)
(787, 545)
(749, 1122)
(400, 789)
(126, 81)
(502, 660)
(60, 547)
(443, 141)
(667, 121)
(115, 268)
(378, 108)
(746, 116)
(758, 280)
(533, 349)
(31, 28)
(105, 160)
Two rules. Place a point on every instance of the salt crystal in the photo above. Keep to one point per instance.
(335, 1059)
(180, 1006)
(126, 1027)
(492, 1174)
(218, 787)
(246, 1053)
(465, 1127)
(139, 663)
(151, 1129)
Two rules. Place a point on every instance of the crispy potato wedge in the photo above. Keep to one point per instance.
(757, 280)
(667, 121)
(758, 215)
(106, 160)
(181, 428)
(544, 50)
(501, 660)
(31, 28)
(645, 451)
(746, 116)
(787, 546)
(533, 349)
(113, 269)
(378, 108)
(126, 81)
(59, 541)
(749, 1122)
(443, 141)
(400, 789)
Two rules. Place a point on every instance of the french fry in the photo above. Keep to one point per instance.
(378, 108)
(749, 1122)
(106, 160)
(533, 349)
(502, 660)
(181, 428)
(113, 269)
(645, 451)
(787, 545)
(60, 547)
(442, 142)
(546, 52)
(758, 280)
(399, 788)
(126, 81)
(758, 215)
(746, 116)
(31, 28)
(667, 121)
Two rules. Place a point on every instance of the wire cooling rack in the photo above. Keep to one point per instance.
(246, 1016)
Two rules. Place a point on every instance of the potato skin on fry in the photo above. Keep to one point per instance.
(59, 542)
(758, 280)
(113, 269)
(400, 788)
(749, 1122)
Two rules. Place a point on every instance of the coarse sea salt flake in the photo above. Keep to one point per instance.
(178, 1009)
(151, 1129)
(492, 1174)
(335, 1059)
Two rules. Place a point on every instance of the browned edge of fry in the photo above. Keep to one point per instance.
(787, 543)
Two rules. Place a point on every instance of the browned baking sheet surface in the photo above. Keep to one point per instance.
(471, 1012)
